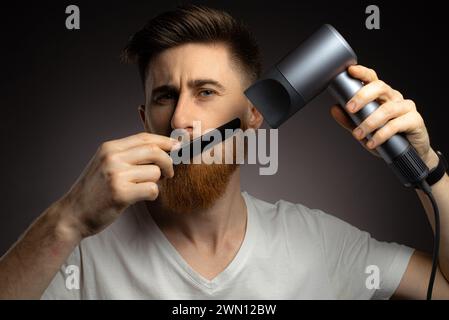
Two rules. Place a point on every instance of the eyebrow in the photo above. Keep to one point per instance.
(201, 82)
(192, 84)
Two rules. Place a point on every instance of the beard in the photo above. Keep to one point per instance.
(194, 187)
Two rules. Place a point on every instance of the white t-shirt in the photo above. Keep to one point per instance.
(289, 252)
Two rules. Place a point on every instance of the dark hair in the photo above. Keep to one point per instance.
(194, 23)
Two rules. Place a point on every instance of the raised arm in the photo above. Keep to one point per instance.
(121, 173)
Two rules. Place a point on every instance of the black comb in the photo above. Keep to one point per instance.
(207, 140)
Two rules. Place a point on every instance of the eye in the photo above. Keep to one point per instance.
(206, 93)
(164, 98)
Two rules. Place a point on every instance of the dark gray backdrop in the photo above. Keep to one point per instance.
(64, 92)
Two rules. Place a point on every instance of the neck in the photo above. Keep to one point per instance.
(225, 219)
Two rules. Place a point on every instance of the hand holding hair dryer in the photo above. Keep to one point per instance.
(320, 63)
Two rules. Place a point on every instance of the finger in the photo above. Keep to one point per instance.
(362, 73)
(372, 151)
(143, 173)
(142, 191)
(149, 154)
(164, 142)
(342, 118)
(371, 92)
(381, 116)
(406, 123)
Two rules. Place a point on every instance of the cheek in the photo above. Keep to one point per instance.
(223, 114)
(239, 108)
(159, 121)
(235, 106)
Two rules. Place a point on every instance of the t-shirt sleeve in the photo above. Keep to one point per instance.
(359, 266)
(67, 281)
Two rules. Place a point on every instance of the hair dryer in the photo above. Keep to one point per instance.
(319, 63)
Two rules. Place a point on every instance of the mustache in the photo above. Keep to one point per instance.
(207, 140)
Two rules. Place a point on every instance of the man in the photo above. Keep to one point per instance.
(134, 226)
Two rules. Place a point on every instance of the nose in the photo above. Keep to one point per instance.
(183, 115)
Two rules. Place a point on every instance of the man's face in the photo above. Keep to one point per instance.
(195, 82)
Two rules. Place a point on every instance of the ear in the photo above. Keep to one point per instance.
(254, 118)
(141, 109)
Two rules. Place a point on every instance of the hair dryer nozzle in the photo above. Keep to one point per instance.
(301, 75)
(275, 98)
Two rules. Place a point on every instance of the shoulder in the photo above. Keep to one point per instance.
(289, 217)
(300, 222)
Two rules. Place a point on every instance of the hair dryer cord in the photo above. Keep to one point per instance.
(423, 185)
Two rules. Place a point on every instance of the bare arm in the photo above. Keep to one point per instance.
(415, 280)
(28, 267)
(121, 173)
(399, 115)
(440, 191)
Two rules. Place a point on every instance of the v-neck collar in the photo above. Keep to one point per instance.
(231, 269)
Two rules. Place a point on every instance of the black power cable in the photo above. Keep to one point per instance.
(424, 186)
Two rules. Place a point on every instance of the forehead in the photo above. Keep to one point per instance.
(191, 61)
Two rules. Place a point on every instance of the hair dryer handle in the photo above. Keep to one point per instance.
(397, 151)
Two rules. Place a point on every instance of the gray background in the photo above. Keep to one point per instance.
(64, 92)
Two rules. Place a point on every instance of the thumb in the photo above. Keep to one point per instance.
(342, 118)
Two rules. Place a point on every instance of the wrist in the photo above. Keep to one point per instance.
(431, 159)
(66, 226)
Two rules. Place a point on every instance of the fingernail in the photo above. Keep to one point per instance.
(351, 106)
(370, 144)
(358, 132)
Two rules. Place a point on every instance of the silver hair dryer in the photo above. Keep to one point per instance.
(320, 63)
